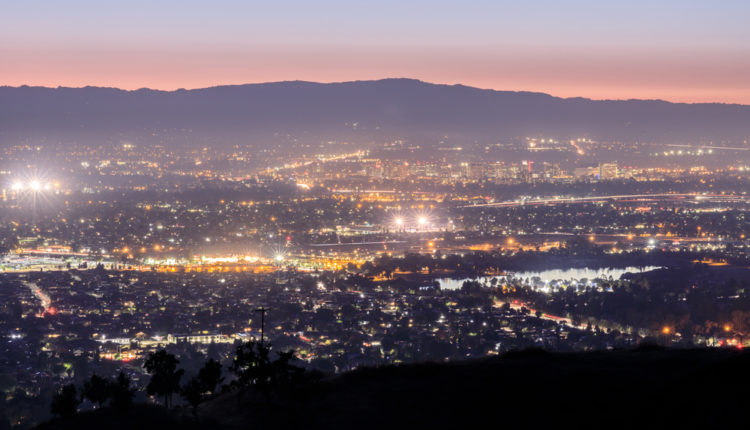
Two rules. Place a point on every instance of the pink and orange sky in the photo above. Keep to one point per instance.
(690, 51)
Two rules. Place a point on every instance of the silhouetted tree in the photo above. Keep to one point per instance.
(210, 376)
(65, 402)
(192, 392)
(250, 360)
(471, 287)
(253, 367)
(96, 389)
(165, 378)
(122, 393)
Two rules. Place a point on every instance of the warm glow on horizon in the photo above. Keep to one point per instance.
(678, 81)
(678, 51)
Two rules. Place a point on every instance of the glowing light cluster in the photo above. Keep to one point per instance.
(421, 220)
(34, 185)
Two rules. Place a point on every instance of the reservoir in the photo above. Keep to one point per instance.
(552, 276)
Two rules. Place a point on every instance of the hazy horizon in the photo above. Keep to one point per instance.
(685, 51)
(456, 84)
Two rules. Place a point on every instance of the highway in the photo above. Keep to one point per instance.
(636, 198)
(42, 296)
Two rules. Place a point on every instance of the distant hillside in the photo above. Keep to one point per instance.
(390, 107)
(618, 389)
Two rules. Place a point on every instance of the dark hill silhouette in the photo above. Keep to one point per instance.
(389, 107)
(645, 388)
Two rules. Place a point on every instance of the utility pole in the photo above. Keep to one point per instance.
(262, 311)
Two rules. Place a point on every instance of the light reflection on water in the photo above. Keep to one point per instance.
(546, 276)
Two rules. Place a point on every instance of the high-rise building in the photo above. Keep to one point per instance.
(586, 172)
(608, 171)
(476, 171)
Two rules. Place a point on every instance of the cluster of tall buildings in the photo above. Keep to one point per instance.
(603, 171)
(463, 171)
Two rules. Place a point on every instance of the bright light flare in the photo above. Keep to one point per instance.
(35, 185)
(422, 220)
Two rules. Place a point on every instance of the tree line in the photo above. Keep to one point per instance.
(252, 369)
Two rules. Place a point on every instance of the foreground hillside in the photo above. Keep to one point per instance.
(530, 389)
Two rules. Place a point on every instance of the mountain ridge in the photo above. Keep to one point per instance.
(360, 81)
(365, 110)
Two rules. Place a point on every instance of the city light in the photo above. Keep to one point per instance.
(154, 244)
(410, 223)
(34, 185)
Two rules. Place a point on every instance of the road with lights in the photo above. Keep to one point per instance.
(635, 198)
